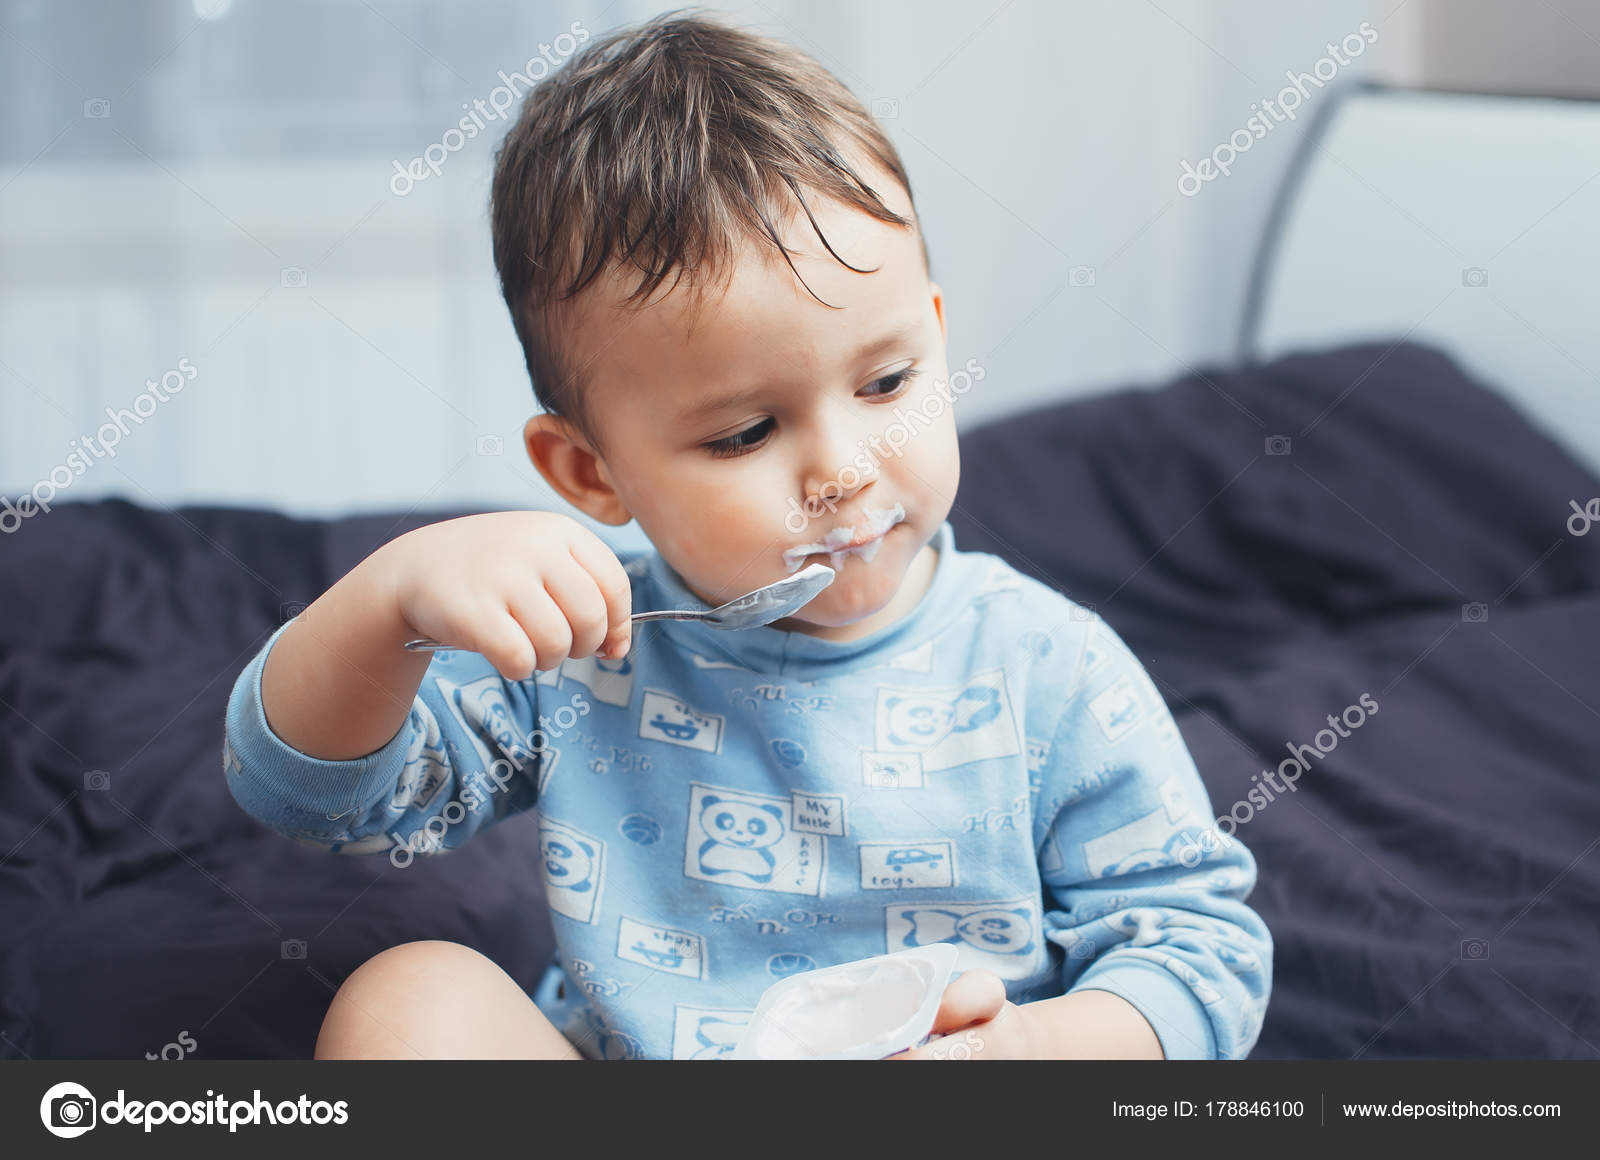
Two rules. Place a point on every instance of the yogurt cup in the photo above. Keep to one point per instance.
(866, 1009)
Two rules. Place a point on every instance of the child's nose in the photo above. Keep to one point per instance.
(840, 462)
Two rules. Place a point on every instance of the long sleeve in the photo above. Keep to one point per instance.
(468, 755)
(1148, 895)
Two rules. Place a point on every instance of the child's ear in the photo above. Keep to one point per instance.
(572, 467)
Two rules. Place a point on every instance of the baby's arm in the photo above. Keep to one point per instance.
(332, 722)
(520, 588)
(1150, 897)
(468, 754)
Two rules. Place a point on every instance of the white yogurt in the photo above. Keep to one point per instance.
(828, 1015)
(865, 1009)
(876, 524)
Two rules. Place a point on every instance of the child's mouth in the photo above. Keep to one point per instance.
(863, 540)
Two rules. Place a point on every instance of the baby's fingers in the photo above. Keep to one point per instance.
(505, 644)
(544, 623)
(603, 567)
(974, 997)
(582, 606)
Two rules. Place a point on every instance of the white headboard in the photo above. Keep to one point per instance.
(1470, 221)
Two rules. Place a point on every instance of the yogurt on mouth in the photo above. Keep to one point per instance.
(877, 523)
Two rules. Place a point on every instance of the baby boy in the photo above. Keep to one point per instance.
(713, 262)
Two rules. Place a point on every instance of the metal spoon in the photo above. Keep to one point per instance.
(752, 610)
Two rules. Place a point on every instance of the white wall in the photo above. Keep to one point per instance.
(1040, 137)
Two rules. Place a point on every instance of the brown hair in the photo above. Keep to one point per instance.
(663, 145)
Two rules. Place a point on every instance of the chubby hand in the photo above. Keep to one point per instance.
(527, 590)
(977, 1021)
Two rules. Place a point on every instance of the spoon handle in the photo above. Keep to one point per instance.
(428, 644)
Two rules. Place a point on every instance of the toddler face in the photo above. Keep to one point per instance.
(763, 431)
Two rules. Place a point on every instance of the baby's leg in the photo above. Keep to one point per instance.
(436, 1000)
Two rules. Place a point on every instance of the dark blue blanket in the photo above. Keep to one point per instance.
(1431, 883)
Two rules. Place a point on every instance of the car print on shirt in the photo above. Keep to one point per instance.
(923, 865)
(1117, 710)
(661, 948)
(663, 717)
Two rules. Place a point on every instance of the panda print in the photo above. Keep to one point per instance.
(1003, 937)
(946, 728)
(750, 841)
(572, 864)
(738, 837)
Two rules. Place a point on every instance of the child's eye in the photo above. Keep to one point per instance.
(746, 440)
(888, 387)
(892, 384)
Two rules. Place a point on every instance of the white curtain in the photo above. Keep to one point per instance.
(209, 183)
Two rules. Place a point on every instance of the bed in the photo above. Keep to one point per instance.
(1361, 505)
(1431, 883)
